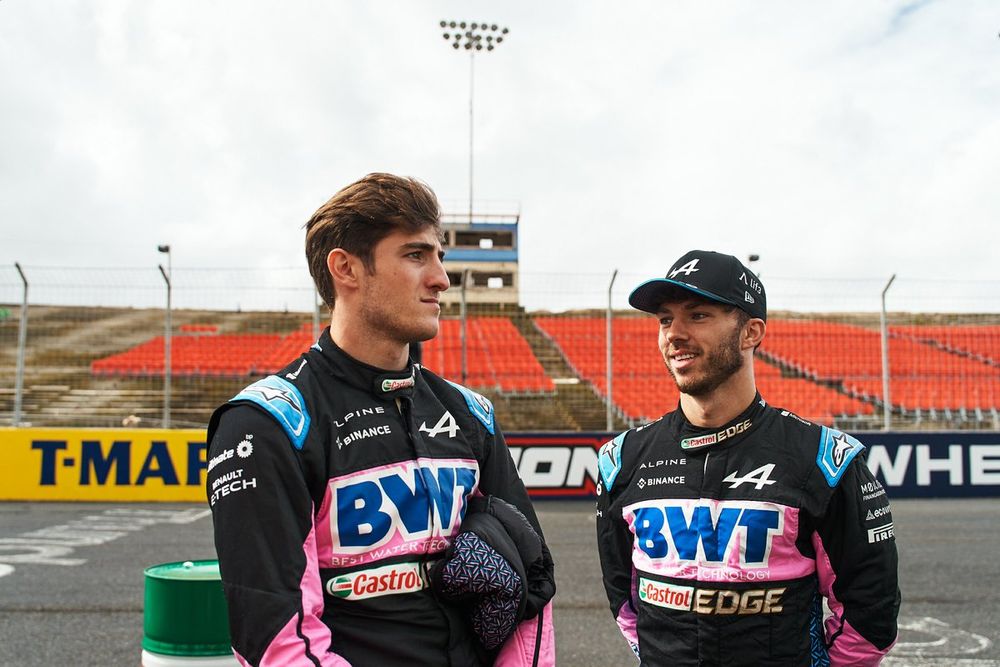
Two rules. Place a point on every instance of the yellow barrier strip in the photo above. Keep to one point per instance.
(137, 465)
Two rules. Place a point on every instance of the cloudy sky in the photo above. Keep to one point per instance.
(842, 142)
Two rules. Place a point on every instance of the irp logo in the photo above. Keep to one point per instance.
(704, 533)
(394, 503)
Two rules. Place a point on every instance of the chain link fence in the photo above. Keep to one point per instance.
(97, 349)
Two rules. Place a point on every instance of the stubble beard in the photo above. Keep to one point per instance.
(382, 321)
(723, 362)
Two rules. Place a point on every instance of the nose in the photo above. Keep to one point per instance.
(438, 278)
(676, 331)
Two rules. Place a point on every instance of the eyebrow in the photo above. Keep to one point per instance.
(690, 304)
(422, 245)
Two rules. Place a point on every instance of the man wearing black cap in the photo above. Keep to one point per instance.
(724, 524)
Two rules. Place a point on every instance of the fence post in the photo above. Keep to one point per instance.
(166, 352)
(22, 342)
(462, 331)
(886, 398)
(608, 345)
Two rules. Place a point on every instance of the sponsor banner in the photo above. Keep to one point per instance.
(557, 465)
(934, 465)
(145, 465)
(908, 464)
(139, 465)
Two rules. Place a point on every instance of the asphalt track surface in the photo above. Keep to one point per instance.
(71, 582)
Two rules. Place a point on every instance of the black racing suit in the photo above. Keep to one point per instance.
(334, 486)
(718, 544)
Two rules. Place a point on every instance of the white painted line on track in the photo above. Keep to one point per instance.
(942, 644)
(947, 641)
(53, 545)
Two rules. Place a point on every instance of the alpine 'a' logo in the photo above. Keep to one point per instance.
(687, 269)
(760, 477)
(445, 425)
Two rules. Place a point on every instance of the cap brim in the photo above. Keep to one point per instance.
(650, 295)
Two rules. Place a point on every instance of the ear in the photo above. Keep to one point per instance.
(344, 269)
(753, 333)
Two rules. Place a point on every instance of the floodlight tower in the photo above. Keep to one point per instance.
(168, 276)
(472, 37)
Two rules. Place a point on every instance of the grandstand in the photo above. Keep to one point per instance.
(498, 357)
(642, 390)
(97, 366)
(933, 369)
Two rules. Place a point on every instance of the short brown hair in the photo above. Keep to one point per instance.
(361, 215)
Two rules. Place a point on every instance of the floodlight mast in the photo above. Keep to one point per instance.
(168, 276)
(472, 37)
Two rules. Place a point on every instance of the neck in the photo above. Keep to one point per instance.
(724, 404)
(366, 346)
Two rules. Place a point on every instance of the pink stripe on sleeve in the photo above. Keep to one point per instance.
(626, 619)
(303, 644)
(848, 647)
(519, 649)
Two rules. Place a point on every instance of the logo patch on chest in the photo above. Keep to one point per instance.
(707, 533)
(400, 504)
(712, 438)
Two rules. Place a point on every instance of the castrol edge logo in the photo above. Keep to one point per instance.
(713, 601)
(377, 581)
(712, 438)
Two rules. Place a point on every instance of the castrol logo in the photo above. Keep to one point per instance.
(376, 582)
(665, 595)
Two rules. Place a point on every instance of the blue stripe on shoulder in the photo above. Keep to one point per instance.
(479, 406)
(609, 459)
(836, 451)
(283, 401)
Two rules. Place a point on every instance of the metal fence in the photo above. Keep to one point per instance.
(101, 347)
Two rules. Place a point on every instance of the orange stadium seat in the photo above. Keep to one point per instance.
(497, 356)
(930, 367)
(818, 369)
(642, 387)
(217, 354)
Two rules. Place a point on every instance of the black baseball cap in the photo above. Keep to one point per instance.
(715, 276)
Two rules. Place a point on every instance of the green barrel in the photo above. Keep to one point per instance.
(185, 611)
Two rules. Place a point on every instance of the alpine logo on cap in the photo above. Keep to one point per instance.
(687, 269)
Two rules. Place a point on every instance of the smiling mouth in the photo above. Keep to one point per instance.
(681, 361)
